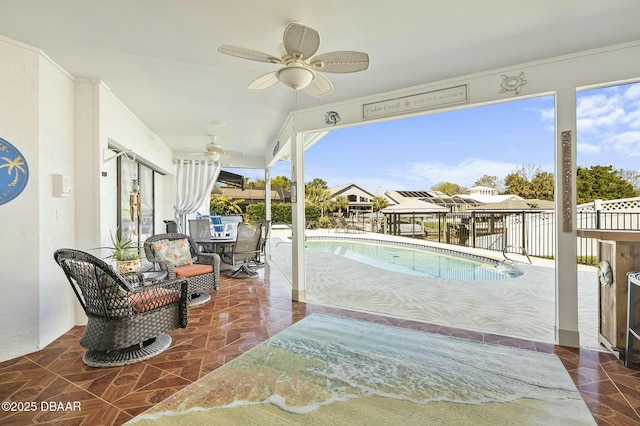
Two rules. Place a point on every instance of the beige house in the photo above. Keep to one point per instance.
(359, 199)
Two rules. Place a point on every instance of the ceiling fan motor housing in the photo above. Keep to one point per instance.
(296, 76)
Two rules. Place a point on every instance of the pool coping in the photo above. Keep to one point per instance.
(478, 258)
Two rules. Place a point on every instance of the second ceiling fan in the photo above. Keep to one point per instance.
(301, 68)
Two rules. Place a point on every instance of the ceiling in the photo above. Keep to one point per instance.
(160, 57)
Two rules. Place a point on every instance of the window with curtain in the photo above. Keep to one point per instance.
(194, 183)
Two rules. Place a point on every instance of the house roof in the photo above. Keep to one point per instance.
(252, 194)
(516, 204)
(488, 198)
(342, 189)
(415, 206)
(435, 197)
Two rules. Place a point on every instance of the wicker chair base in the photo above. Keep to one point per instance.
(199, 299)
(94, 358)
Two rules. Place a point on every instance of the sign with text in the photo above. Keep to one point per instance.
(420, 101)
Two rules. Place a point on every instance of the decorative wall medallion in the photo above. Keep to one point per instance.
(331, 117)
(512, 83)
(14, 172)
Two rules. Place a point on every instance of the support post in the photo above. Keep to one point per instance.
(267, 208)
(567, 333)
(298, 260)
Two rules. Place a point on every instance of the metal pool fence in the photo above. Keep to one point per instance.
(507, 230)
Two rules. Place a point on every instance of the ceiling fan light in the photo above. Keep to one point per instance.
(295, 77)
(213, 156)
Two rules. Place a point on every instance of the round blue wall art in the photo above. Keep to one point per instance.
(14, 172)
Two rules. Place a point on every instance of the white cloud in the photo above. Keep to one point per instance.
(625, 143)
(634, 118)
(585, 148)
(632, 94)
(424, 175)
(598, 111)
(608, 120)
(548, 115)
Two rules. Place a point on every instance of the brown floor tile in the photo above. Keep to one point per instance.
(242, 314)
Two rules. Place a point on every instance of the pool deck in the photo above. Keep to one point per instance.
(519, 307)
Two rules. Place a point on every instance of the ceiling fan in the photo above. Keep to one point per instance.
(214, 152)
(301, 69)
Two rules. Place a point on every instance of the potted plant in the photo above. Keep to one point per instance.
(126, 253)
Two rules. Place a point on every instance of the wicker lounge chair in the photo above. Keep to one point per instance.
(179, 255)
(127, 321)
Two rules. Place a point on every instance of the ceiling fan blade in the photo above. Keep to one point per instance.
(282, 52)
(340, 62)
(319, 86)
(301, 41)
(264, 81)
(244, 53)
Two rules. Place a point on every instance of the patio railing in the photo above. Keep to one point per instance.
(531, 230)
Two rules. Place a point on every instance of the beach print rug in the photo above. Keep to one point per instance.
(330, 370)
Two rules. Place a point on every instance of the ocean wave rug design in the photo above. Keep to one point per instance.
(332, 370)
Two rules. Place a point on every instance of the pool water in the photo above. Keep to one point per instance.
(418, 261)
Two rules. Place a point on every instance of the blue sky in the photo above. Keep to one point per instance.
(461, 146)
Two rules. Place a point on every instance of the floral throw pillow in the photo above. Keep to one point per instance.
(177, 252)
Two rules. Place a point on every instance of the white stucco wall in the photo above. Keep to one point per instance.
(36, 116)
(55, 214)
(19, 222)
(61, 124)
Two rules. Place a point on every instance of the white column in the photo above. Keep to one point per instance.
(267, 207)
(298, 257)
(567, 333)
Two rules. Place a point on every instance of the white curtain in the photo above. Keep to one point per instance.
(194, 182)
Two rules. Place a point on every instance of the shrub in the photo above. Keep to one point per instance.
(256, 212)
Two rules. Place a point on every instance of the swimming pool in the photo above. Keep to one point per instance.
(413, 260)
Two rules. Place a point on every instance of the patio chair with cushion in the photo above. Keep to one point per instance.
(179, 255)
(127, 321)
(218, 227)
(262, 244)
(245, 251)
(199, 228)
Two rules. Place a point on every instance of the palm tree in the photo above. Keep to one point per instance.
(319, 196)
(15, 164)
(378, 203)
(340, 203)
(223, 206)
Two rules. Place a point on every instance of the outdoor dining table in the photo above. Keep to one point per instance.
(216, 244)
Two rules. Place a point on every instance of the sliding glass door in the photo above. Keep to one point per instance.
(136, 200)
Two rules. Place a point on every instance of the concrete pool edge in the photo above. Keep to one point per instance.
(330, 283)
(510, 269)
